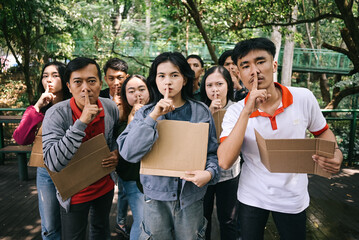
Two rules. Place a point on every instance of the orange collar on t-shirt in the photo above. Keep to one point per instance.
(287, 100)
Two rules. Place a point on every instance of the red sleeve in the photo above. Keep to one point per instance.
(317, 133)
(222, 139)
(25, 133)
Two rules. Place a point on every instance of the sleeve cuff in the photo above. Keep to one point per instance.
(149, 121)
(317, 133)
(80, 125)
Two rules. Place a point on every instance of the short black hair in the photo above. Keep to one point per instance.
(244, 47)
(196, 57)
(179, 61)
(116, 64)
(79, 63)
(222, 59)
(227, 77)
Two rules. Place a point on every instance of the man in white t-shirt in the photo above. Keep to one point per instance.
(275, 111)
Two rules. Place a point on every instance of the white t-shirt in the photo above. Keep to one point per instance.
(280, 192)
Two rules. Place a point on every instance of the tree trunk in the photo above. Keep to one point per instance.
(276, 38)
(148, 28)
(340, 95)
(192, 8)
(29, 89)
(287, 63)
(323, 80)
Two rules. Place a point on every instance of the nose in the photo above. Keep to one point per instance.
(117, 81)
(254, 70)
(167, 81)
(85, 87)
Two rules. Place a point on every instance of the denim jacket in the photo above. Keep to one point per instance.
(139, 136)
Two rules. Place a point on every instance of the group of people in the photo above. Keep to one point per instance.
(73, 109)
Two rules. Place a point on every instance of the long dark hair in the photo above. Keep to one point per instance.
(178, 60)
(61, 67)
(225, 74)
(127, 108)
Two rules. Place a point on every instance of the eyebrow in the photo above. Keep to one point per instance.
(256, 59)
(170, 73)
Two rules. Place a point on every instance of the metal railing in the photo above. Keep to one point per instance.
(351, 116)
(304, 59)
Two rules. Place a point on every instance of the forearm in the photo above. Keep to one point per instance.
(338, 155)
(60, 145)
(137, 139)
(25, 132)
(230, 148)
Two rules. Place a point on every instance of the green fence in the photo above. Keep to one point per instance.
(304, 59)
(343, 123)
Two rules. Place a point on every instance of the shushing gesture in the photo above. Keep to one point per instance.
(216, 104)
(163, 106)
(256, 97)
(44, 99)
(90, 111)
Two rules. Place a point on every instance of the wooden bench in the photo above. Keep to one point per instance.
(21, 152)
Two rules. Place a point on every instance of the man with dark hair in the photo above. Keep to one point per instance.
(197, 65)
(115, 71)
(276, 112)
(65, 127)
(225, 60)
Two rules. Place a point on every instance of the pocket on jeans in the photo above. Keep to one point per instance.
(202, 230)
(145, 235)
(147, 199)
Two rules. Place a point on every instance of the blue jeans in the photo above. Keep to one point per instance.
(97, 212)
(49, 206)
(135, 199)
(253, 221)
(122, 203)
(166, 220)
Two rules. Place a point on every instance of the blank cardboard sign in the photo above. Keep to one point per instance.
(294, 155)
(181, 146)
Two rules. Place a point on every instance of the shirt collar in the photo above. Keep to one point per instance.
(287, 99)
(77, 111)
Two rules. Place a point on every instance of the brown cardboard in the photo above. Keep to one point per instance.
(84, 168)
(294, 155)
(36, 157)
(181, 146)
(218, 119)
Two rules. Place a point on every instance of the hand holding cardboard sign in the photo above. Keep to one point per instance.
(199, 177)
(331, 165)
(90, 111)
(112, 160)
(163, 106)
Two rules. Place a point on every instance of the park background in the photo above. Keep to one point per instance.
(317, 43)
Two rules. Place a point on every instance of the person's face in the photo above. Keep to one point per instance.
(51, 79)
(230, 66)
(216, 86)
(260, 63)
(136, 92)
(169, 76)
(114, 80)
(85, 80)
(196, 67)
